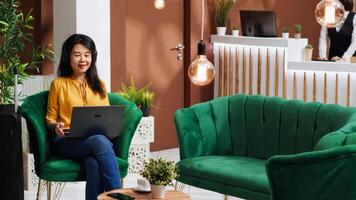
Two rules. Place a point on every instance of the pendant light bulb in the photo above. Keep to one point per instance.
(329, 13)
(159, 4)
(201, 71)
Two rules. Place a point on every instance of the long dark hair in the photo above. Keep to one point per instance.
(91, 75)
(348, 4)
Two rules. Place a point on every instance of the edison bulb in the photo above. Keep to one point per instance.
(159, 4)
(201, 71)
(329, 13)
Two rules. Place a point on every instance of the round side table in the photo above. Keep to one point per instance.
(170, 195)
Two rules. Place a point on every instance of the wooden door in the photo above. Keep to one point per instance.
(141, 39)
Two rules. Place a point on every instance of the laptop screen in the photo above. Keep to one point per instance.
(258, 23)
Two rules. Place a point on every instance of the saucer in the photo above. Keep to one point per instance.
(140, 190)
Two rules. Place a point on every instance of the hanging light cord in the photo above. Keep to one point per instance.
(202, 20)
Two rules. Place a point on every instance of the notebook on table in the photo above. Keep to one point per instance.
(93, 120)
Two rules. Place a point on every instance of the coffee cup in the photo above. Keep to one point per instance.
(143, 184)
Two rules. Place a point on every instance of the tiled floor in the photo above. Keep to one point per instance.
(76, 191)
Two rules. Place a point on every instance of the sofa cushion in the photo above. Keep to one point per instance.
(243, 172)
(65, 170)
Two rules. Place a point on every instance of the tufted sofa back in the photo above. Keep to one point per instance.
(256, 126)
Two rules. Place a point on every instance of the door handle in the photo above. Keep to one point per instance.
(179, 49)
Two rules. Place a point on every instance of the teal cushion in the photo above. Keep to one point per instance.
(64, 170)
(241, 172)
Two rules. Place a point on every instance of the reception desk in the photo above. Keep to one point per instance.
(275, 67)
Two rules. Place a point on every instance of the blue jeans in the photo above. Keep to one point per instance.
(98, 158)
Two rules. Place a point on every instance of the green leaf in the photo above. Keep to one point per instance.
(3, 23)
(28, 26)
(160, 172)
(16, 40)
(222, 10)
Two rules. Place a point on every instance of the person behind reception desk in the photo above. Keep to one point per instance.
(342, 37)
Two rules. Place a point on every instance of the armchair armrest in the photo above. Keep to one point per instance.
(189, 134)
(131, 118)
(33, 109)
(326, 174)
(122, 143)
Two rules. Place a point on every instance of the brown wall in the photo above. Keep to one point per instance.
(47, 31)
(288, 12)
(141, 37)
(205, 93)
(43, 25)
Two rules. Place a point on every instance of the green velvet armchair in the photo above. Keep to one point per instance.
(257, 147)
(52, 168)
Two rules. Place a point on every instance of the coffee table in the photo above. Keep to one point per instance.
(170, 195)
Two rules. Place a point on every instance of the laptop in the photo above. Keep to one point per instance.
(93, 120)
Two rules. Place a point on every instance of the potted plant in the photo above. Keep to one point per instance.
(147, 98)
(159, 173)
(222, 11)
(297, 31)
(235, 31)
(18, 51)
(308, 52)
(285, 33)
(143, 98)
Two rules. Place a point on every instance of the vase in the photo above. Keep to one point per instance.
(297, 35)
(158, 191)
(308, 53)
(285, 35)
(235, 33)
(221, 30)
(145, 112)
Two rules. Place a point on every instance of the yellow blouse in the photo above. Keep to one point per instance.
(67, 92)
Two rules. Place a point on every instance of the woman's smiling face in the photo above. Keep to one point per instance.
(80, 60)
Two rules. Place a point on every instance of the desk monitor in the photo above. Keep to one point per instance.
(258, 23)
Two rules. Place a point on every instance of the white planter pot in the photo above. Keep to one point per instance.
(158, 191)
(308, 53)
(235, 32)
(297, 35)
(285, 35)
(221, 30)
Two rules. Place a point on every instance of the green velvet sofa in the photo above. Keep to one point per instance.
(257, 147)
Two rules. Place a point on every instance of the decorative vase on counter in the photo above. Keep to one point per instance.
(158, 191)
(308, 53)
(285, 35)
(297, 35)
(220, 30)
(235, 32)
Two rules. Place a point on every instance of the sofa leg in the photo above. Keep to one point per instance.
(58, 190)
(49, 184)
(41, 187)
(38, 190)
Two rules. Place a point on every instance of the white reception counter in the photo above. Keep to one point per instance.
(274, 67)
